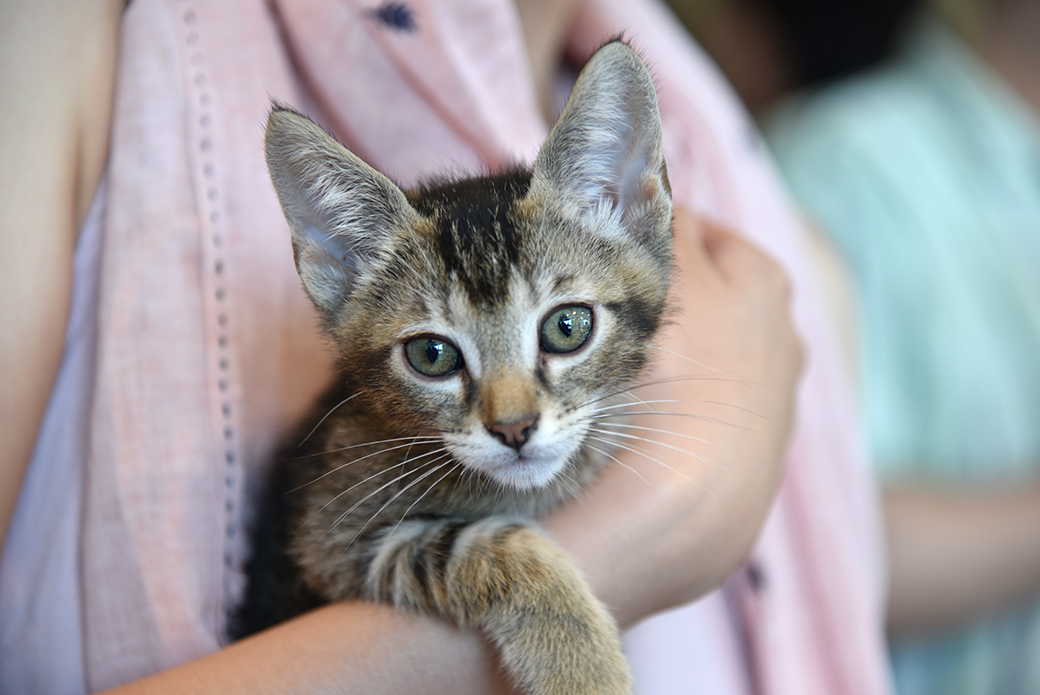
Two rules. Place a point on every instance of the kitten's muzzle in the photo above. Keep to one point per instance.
(515, 434)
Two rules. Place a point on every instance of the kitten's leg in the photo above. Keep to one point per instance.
(499, 576)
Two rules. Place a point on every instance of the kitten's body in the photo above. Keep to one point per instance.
(482, 327)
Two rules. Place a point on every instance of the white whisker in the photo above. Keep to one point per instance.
(659, 382)
(694, 416)
(647, 456)
(419, 498)
(403, 463)
(616, 460)
(362, 458)
(660, 431)
(684, 357)
(393, 498)
(324, 417)
(678, 400)
(625, 435)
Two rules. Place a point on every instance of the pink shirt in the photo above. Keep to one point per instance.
(191, 346)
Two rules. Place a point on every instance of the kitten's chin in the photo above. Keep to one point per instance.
(532, 468)
(525, 474)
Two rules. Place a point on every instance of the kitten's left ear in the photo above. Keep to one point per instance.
(343, 213)
(605, 155)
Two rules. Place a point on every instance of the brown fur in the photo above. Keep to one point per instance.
(421, 492)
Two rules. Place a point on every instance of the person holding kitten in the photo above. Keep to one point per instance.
(190, 350)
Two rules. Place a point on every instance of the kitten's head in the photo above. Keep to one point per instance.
(495, 312)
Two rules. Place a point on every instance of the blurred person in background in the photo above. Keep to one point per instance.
(925, 172)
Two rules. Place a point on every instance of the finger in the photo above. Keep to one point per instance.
(688, 242)
(740, 261)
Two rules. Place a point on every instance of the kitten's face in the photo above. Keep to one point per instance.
(506, 349)
(496, 313)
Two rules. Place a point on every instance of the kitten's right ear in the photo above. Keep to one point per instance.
(342, 212)
(604, 158)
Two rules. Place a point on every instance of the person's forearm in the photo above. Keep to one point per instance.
(956, 555)
(57, 64)
(357, 648)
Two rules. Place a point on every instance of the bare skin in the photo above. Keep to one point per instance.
(57, 61)
(958, 554)
(668, 540)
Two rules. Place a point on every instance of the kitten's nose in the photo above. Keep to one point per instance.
(514, 434)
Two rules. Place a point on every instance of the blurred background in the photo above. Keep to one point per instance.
(909, 134)
(770, 48)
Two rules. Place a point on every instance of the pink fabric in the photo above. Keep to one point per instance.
(207, 348)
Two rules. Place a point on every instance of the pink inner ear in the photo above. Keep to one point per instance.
(631, 177)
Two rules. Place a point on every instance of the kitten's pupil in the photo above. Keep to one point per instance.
(433, 351)
(566, 324)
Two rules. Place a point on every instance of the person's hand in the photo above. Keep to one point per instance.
(681, 509)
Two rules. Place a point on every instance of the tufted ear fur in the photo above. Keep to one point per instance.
(605, 156)
(342, 212)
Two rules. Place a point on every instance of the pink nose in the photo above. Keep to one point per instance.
(514, 434)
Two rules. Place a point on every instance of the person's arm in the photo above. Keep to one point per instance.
(357, 648)
(648, 535)
(57, 62)
(957, 555)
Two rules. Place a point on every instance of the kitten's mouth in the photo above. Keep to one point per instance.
(525, 472)
(531, 467)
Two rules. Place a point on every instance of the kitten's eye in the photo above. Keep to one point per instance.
(567, 329)
(432, 356)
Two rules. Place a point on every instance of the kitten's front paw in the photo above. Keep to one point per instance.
(569, 655)
(555, 637)
(519, 588)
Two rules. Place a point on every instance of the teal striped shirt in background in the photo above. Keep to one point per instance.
(927, 175)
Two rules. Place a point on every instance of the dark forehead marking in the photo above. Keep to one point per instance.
(561, 282)
(476, 231)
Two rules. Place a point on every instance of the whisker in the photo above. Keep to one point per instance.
(638, 401)
(375, 492)
(572, 486)
(404, 516)
(678, 400)
(334, 409)
(362, 458)
(651, 458)
(421, 438)
(694, 416)
(392, 499)
(616, 460)
(688, 359)
(699, 457)
(660, 431)
(659, 382)
(381, 471)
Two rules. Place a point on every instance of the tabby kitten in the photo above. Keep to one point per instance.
(482, 326)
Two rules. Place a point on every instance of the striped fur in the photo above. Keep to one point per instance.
(423, 491)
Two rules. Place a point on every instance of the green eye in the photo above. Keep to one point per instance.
(567, 329)
(432, 356)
